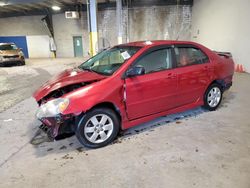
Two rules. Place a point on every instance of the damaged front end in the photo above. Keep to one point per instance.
(54, 122)
(51, 107)
(53, 103)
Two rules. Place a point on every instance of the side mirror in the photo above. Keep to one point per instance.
(135, 71)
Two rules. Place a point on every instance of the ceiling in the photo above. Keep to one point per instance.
(10, 8)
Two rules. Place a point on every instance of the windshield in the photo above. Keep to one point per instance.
(8, 47)
(108, 61)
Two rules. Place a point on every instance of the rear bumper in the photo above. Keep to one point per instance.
(227, 86)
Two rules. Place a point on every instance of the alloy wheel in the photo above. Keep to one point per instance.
(214, 97)
(98, 128)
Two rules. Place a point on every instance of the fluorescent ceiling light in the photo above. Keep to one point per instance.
(2, 4)
(56, 8)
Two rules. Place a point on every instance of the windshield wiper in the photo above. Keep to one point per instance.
(90, 70)
(87, 69)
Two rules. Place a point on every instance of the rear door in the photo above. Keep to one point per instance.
(194, 72)
(155, 91)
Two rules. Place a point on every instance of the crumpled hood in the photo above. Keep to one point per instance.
(65, 78)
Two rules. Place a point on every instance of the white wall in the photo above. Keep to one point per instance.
(166, 22)
(223, 26)
(38, 46)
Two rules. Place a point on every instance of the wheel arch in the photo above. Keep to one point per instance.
(80, 125)
(109, 105)
(218, 81)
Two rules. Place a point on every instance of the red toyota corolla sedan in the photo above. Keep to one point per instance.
(130, 84)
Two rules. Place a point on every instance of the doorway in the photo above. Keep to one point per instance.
(78, 49)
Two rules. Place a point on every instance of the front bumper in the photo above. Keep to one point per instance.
(10, 60)
(14, 61)
(59, 125)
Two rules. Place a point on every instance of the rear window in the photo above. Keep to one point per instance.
(186, 56)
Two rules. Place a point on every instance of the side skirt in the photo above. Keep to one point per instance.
(129, 124)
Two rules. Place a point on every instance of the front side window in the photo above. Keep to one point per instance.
(186, 56)
(156, 61)
(8, 47)
(108, 61)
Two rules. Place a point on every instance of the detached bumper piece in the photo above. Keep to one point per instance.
(58, 127)
(48, 130)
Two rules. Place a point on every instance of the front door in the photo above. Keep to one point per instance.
(78, 50)
(155, 91)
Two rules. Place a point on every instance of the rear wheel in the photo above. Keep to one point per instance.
(213, 97)
(98, 128)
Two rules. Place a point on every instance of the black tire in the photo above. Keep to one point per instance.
(85, 122)
(23, 61)
(207, 102)
(20, 63)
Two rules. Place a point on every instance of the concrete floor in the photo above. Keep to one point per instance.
(196, 148)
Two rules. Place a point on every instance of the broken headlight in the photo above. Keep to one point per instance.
(52, 108)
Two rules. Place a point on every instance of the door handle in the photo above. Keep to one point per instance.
(207, 68)
(171, 76)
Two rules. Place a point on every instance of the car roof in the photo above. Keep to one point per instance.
(6, 44)
(152, 43)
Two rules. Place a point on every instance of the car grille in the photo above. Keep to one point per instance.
(11, 56)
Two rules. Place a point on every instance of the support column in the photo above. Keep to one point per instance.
(119, 20)
(92, 23)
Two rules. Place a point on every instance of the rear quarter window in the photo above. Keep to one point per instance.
(186, 56)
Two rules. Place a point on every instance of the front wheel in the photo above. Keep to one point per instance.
(213, 97)
(98, 128)
(21, 63)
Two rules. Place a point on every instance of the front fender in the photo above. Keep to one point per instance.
(83, 99)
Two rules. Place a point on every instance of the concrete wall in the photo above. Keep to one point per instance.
(65, 29)
(224, 26)
(155, 23)
(144, 23)
(32, 27)
(107, 28)
(147, 23)
(22, 26)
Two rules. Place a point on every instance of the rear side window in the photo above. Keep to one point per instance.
(186, 56)
(156, 61)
